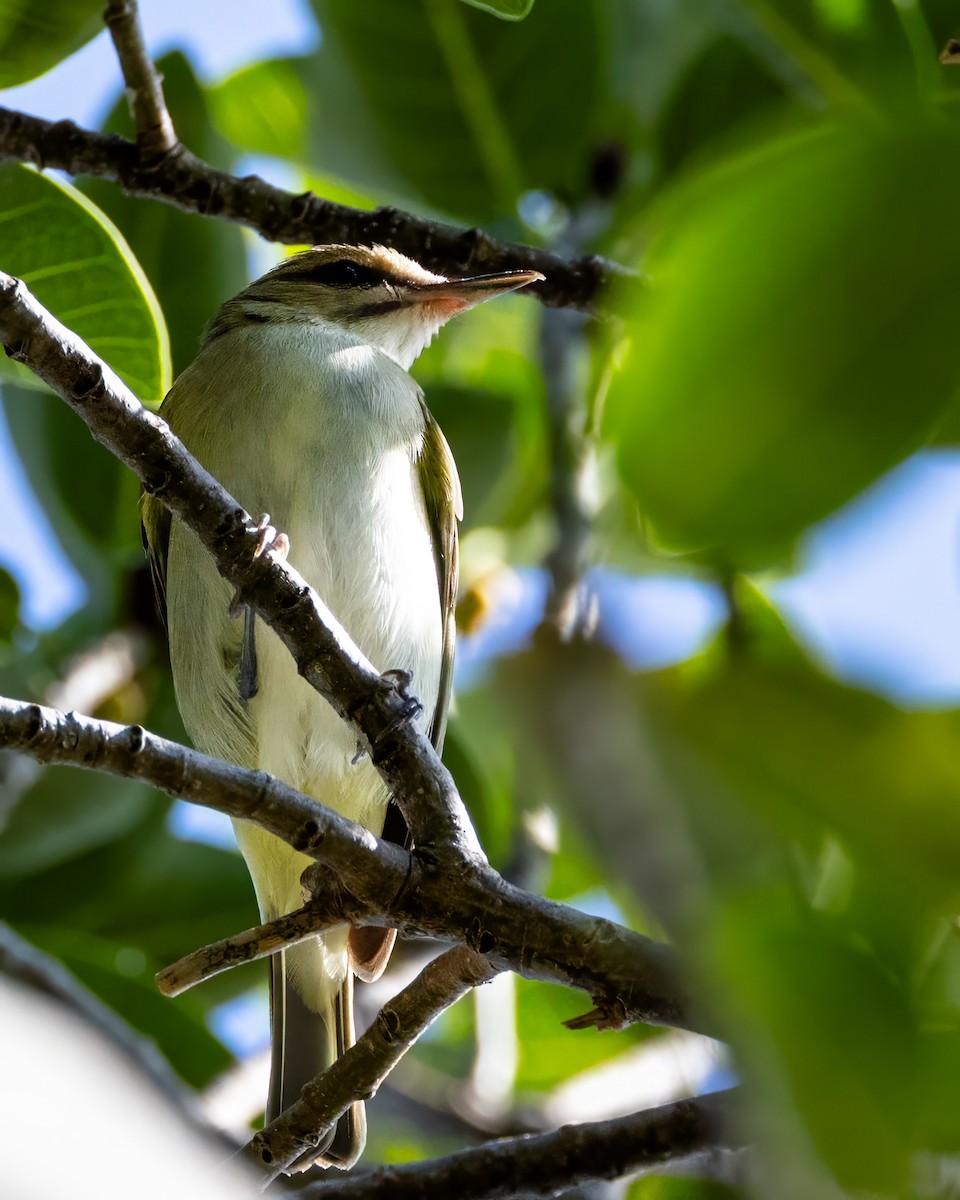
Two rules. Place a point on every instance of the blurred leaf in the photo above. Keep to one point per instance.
(662, 1187)
(35, 37)
(65, 814)
(792, 347)
(9, 604)
(467, 112)
(262, 108)
(77, 264)
(194, 264)
(507, 10)
(551, 1054)
(840, 1028)
(938, 1089)
(811, 755)
(722, 88)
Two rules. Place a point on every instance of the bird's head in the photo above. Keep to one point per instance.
(378, 294)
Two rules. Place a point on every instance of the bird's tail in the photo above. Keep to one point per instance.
(305, 1043)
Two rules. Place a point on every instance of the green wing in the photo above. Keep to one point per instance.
(442, 498)
(155, 533)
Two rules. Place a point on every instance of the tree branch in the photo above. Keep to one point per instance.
(359, 1072)
(155, 133)
(367, 881)
(540, 1164)
(249, 946)
(185, 181)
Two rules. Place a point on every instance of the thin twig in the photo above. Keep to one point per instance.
(187, 182)
(542, 1164)
(155, 132)
(360, 1071)
(253, 944)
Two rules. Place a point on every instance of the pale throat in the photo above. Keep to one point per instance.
(404, 334)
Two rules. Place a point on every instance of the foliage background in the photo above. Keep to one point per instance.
(785, 174)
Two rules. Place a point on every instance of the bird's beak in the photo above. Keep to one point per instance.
(452, 296)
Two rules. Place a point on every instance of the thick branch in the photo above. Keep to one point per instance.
(185, 181)
(367, 881)
(359, 1072)
(541, 1164)
(155, 134)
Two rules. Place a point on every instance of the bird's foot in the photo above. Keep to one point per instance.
(412, 708)
(269, 538)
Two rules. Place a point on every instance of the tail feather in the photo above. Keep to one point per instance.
(304, 1044)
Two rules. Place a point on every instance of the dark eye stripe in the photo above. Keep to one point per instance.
(343, 272)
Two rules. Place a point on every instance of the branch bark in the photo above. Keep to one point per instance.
(185, 181)
(359, 1072)
(541, 1164)
(155, 133)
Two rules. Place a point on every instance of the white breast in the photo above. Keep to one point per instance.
(323, 434)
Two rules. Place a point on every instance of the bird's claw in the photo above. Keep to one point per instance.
(412, 708)
(268, 538)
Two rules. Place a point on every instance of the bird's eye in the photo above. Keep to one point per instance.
(346, 273)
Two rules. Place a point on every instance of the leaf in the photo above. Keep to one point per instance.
(811, 756)
(35, 37)
(262, 108)
(465, 112)
(77, 264)
(66, 814)
(792, 345)
(724, 87)
(809, 1003)
(551, 1053)
(9, 604)
(507, 10)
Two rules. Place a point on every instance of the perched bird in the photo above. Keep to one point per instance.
(301, 404)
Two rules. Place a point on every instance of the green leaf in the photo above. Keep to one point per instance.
(507, 10)
(262, 108)
(812, 757)
(465, 113)
(9, 604)
(812, 1005)
(725, 86)
(77, 264)
(549, 1052)
(35, 37)
(66, 814)
(791, 347)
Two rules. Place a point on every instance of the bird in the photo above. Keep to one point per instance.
(300, 402)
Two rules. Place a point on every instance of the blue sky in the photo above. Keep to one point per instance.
(877, 597)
